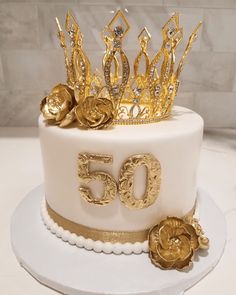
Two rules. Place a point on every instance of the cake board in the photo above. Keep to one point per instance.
(74, 271)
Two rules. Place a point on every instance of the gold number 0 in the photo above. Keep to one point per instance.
(86, 176)
(126, 180)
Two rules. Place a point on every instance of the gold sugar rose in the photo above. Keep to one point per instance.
(95, 113)
(57, 105)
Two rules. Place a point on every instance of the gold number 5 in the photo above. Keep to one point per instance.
(86, 176)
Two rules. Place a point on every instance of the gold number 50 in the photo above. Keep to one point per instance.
(126, 180)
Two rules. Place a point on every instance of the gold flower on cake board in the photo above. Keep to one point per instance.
(57, 107)
(172, 243)
(95, 112)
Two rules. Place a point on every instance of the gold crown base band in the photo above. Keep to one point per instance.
(101, 235)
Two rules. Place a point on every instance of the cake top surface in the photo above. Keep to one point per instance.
(182, 121)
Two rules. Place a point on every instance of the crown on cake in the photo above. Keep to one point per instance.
(119, 95)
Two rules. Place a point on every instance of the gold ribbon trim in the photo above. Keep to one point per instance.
(100, 235)
(96, 234)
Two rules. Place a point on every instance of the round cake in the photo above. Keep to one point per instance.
(120, 162)
(173, 144)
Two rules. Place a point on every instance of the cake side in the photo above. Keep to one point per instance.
(174, 142)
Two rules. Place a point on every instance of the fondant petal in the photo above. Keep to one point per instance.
(60, 115)
(182, 264)
(172, 221)
(165, 232)
(69, 118)
(153, 238)
(193, 236)
(160, 262)
(185, 247)
(46, 114)
(171, 254)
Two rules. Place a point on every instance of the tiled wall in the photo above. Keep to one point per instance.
(31, 61)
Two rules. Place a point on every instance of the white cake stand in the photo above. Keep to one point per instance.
(74, 271)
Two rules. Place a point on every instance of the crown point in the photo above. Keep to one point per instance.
(119, 25)
(71, 22)
(67, 20)
(171, 26)
(175, 17)
(198, 27)
(144, 34)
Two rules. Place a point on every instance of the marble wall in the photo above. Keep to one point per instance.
(31, 61)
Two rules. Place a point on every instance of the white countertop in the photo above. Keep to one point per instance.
(21, 171)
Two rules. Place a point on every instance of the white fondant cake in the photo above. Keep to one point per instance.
(174, 142)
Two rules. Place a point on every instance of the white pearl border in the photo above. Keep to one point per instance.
(89, 244)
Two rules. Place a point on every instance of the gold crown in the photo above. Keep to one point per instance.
(98, 100)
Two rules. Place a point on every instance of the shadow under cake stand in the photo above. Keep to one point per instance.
(75, 271)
